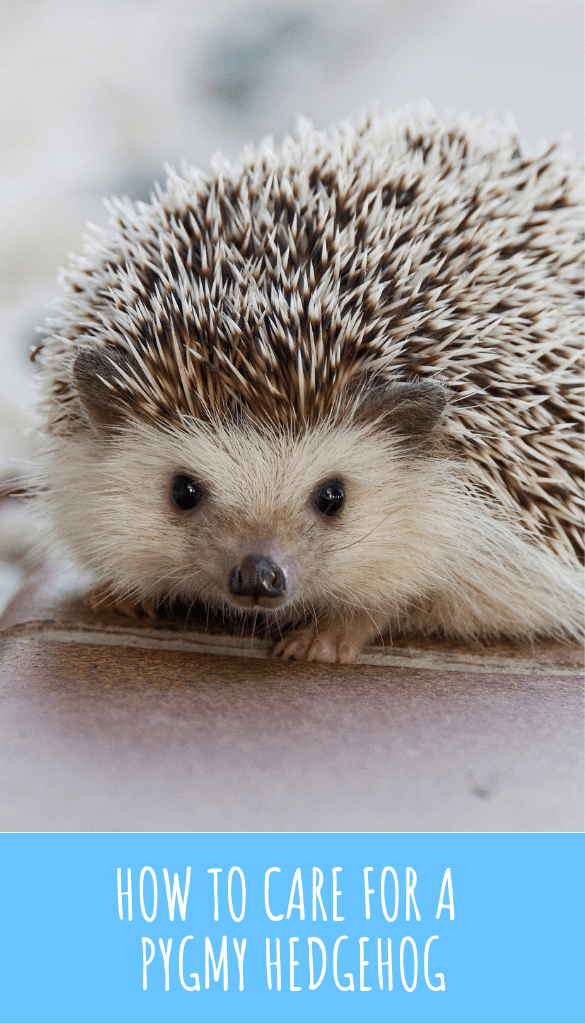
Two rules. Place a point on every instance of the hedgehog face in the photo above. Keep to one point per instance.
(246, 517)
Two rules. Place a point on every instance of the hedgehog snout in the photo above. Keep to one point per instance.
(259, 578)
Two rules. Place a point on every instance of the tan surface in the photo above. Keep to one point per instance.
(104, 726)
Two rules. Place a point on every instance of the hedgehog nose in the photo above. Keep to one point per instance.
(257, 576)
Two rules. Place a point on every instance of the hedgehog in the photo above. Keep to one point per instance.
(335, 384)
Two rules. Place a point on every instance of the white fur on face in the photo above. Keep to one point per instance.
(111, 504)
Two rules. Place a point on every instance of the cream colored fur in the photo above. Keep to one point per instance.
(414, 549)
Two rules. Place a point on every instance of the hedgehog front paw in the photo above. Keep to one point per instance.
(329, 644)
(101, 599)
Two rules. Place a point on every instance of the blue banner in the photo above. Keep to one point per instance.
(292, 927)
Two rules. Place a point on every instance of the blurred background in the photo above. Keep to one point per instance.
(96, 95)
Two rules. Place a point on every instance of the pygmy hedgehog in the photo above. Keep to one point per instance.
(335, 383)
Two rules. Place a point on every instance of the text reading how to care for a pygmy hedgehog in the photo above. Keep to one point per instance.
(308, 942)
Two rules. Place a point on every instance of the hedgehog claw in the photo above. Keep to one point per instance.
(331, 645)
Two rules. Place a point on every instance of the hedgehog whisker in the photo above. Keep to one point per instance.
(361, 605)
(175, 575)
(345, 547)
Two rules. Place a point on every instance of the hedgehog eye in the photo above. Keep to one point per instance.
(186, 493)
(330, 498)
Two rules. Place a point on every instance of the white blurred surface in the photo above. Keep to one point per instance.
(96, 96)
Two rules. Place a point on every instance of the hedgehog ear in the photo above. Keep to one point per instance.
(413, 410)
(93, 369)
